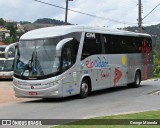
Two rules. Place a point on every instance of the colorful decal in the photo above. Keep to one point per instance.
(70, 90)
(123, 60)
(89, 63)
(99, 63)
(82, 65)
(117, 76)
(75, 76)
(104, 75)
(85, 72)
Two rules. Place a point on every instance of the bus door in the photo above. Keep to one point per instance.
(69, 54)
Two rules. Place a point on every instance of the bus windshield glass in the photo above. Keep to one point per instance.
(6, 65)
(36, 58)
(11, 52)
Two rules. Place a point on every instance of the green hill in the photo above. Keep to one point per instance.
(49, 21)
(153, 30)
(41, 23)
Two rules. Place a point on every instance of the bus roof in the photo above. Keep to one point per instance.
(49, 32)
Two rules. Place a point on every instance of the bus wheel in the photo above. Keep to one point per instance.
(84, 89)
(137, 80)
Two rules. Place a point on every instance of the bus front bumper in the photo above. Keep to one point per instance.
(6, 75)
(52, 92)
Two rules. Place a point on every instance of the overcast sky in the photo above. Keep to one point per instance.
(122, 13)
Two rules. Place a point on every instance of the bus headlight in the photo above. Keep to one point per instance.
(54, 83)
(51, 84)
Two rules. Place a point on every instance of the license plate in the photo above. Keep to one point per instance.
(32, 93)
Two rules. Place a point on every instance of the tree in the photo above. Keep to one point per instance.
(10, 26)
(2, 22)
(156, 59)
(9, 40)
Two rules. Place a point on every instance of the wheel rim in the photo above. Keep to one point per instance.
(84, 88)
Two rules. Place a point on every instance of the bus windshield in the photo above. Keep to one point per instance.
(36, 58)
(6, 65)
(11, 52)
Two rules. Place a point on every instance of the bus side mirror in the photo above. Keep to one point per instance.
(8, 47)
(60, 45)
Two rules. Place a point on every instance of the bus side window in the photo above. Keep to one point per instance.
(69, 54)
(85, 52)
(75, 47)
(91, 46)
(66, 57)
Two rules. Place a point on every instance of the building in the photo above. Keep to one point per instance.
(2, 43)
(4, 33)
(20, 28)
(1, 36)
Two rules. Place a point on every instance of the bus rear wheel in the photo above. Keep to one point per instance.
(84, 89)
(137, 80)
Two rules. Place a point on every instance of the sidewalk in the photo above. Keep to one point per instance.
(7, 93)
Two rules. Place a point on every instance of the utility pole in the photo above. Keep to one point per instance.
(139, 17)
(66, 13)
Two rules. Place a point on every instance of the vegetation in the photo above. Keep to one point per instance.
(49, 21)
(156, 59)
(12, 27)
(152, 30)
(2, 22)
(100, 121)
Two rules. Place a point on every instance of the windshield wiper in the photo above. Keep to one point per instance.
(35, 64)
(24, 68)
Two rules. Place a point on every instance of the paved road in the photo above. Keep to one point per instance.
(101, 103)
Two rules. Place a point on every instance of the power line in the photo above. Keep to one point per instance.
(108, 19)
(151, 11)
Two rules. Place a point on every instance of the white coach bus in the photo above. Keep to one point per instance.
(6, 65)
(69, 60)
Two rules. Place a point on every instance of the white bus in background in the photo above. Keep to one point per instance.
(6, 65)
(69, 60)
